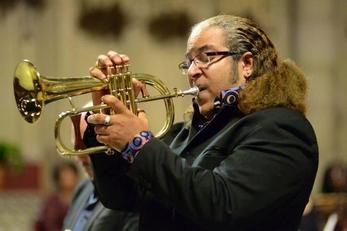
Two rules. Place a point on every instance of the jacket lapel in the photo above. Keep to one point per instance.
(200, 139)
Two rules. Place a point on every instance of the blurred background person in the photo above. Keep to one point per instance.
(86, 211)
(65, 177)
(332, 206)
(328, 211)
(335, 178)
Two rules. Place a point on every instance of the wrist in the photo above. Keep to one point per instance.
(132, 148)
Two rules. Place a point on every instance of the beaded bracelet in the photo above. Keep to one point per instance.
(132, 148)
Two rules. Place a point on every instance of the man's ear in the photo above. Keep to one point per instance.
(247, 65)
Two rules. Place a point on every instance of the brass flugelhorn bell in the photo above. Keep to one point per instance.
(33, 91)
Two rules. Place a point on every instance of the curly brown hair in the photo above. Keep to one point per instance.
(273, 82)
(285, 86)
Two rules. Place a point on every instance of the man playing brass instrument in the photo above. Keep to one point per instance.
(246, 161)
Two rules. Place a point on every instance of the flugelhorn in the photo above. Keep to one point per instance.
(33, 91)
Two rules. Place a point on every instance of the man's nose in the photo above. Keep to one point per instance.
(194, 71)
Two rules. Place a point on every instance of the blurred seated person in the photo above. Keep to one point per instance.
(65, 177)
(86, 211)
(333, 202)
(328, 211)
(335, 178)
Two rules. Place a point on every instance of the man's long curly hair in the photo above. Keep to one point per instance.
(273, 82)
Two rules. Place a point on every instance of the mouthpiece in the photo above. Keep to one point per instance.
(194, 91)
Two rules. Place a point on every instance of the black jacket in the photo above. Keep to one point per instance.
(252, 172)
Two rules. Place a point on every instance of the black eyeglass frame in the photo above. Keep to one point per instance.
(184, 66)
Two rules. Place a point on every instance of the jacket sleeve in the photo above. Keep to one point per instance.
(269, 165)
(115, 188)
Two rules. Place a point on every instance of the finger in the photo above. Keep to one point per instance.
(107, 140)
(113, 102)
(101, 130)
(142, 116)
(97, 73)
(144, 91)
(98, 119)
(137, 86)
(100, 70)
(104, 61)
(124, 58)
(101, 139)
(115, 57)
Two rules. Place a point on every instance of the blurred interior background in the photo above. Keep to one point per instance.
(63, 38)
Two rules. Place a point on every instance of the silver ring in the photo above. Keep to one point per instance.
(107, 120)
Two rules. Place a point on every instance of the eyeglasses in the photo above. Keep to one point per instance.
(203, 60)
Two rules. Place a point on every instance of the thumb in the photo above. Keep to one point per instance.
(117, 106)
(143, 118)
